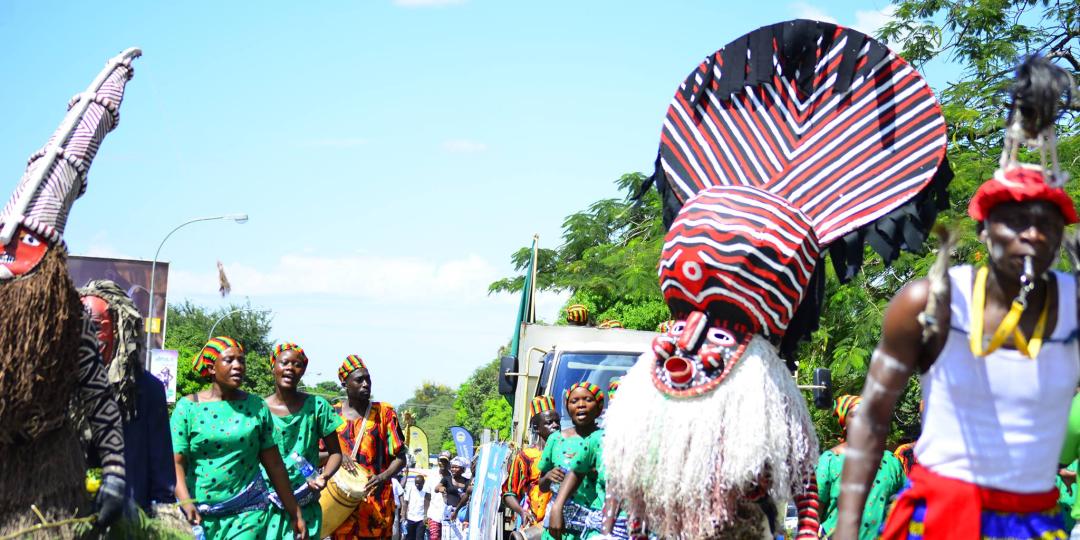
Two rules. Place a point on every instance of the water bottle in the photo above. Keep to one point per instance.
(197, 532)
(555, 485)
(305, 467)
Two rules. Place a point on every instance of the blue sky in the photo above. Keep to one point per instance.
(391, 153)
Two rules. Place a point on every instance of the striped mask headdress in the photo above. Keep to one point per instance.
(541, 404)
(288, 346)
(590, 387)
(351, 364)
(795, 138)
(56, 175)
(211, 352)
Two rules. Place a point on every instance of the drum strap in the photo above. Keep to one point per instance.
(363, 431)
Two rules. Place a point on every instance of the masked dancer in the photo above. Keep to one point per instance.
(151, 477)
(50, 351)
(372, 434)
(221, 436)
(796, 138)
(996, 351)
(301, 423)
(521, 492)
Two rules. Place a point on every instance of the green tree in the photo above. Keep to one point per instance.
(607, 261)
(479, 405)
(432, 406)
(188, 326)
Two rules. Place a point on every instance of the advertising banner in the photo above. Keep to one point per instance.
(163, 366)
(463, 442)
(418, 446)
(133, 276)
(485, 521)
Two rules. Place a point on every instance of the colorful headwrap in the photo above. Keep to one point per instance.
(287, 346)
(610, 323)
(541, 404)
(665, 326)
(577, 315)
(612, 387)
(351, 364)
(844, 405)
(211, 352)
(590, 387)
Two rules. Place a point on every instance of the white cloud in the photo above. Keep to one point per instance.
(340, 142)
(427, 3)
(101, 247)
(463, 146)
(870, 21)
(804, 10)
(359, 276)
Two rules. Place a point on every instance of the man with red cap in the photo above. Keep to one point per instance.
(996, 351)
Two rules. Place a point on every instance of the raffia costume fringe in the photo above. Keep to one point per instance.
(684, 465)
(42, 462)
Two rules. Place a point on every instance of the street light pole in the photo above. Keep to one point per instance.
(210, 335)
(238, 218)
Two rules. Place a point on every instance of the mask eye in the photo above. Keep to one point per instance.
(678, 327)
(721, 337)
(30, 240)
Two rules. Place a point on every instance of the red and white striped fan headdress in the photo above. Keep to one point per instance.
(795, 137)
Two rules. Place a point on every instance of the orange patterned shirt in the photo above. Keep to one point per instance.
(523, 481)
(383, 440)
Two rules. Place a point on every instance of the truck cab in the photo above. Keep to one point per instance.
(552, 358)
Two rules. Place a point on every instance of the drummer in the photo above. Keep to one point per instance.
(370, 432)
(521, 492)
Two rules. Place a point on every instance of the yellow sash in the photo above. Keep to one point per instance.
(1029, 348)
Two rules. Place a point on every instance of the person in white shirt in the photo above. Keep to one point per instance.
(414, 509)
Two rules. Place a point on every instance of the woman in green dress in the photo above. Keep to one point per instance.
(564, 450)
(300, 422)
(220, 437)
(889, 480)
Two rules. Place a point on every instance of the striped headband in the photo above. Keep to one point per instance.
(613, 386)
(610, 323)
(287, 346)
(211, 352)
(844, 405)
(577, 315)
(351, 364)
(541, 404)
(590, 387)
(666, 326)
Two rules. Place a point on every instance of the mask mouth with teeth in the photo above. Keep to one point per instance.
(22, 254)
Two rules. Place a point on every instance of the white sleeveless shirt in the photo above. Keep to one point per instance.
(999, 421)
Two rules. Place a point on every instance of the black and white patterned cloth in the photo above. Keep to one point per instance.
(99, 406)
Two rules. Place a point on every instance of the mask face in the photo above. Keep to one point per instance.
(98, 310)
(22, 254)
(693, 357)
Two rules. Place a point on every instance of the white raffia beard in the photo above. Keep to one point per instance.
(683, 464)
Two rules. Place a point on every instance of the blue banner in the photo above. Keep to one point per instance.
(463, 441)
(485, 521)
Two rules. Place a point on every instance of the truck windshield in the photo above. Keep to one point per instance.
(597, 368)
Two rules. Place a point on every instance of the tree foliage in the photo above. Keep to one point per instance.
(610, 251)
(607, 260)
(189, 325)
(479, 405)
(432, 407)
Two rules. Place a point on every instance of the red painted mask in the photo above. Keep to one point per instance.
(98, 309)
(23, 253)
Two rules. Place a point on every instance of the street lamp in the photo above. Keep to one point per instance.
(233, 312)
(238, 218)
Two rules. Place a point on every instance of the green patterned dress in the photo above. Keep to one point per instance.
(220, 442)
(562, 451)
(300, 432)
(889, 480)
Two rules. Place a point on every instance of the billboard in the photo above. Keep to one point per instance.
(133, 276)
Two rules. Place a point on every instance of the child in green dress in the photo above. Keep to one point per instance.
(220, 437)
(300, 422)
